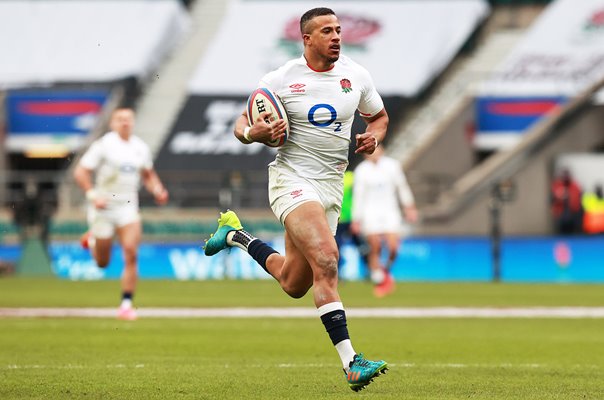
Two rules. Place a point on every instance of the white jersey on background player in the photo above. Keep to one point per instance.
(380, 188)
(320, 106)
(119, 164)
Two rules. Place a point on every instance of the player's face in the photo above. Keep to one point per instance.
(123, 122)
(325, 38)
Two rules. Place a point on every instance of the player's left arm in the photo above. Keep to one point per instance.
(154, 186)
(405, 196)
(374, 134)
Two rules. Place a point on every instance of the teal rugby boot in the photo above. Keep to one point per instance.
(227, 222)
(362, 371)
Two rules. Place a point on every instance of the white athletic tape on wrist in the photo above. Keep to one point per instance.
(246, 134)
(91, 195)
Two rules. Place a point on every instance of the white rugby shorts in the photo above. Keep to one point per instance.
(103, 222)
(381, 222)
(287, 190)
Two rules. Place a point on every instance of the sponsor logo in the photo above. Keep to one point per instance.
(260, 105)
(346, 85)
(128, 168)
(337, 317)
(296, 193)
(297, 88)
(313, 110)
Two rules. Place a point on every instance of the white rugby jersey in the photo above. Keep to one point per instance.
(321, 106)
(379, 189)
(118, 164)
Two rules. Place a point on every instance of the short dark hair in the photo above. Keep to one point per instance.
(310, 14)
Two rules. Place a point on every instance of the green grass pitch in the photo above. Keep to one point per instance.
(291, 358)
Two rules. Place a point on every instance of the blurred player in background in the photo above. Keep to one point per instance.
(344, 232)
(380, 189)
(119, 161)
(305, 180)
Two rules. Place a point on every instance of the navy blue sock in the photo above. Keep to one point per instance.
(260, 252)
(127, 295)
(335, 325)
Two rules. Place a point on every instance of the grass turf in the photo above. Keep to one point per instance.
(27, 292)
(74, 358)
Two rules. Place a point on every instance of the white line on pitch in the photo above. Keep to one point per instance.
(306, 312)
(319, 365)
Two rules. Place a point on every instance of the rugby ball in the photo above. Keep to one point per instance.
(261, 100)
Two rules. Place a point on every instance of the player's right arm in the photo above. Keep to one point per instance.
(83, 174)
(260, 131)
(83, 177)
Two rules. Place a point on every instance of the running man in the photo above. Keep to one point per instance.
(380, 190)
(321, 91)
(119, 161)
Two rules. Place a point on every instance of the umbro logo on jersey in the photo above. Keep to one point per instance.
(297, 87)
(296, 193)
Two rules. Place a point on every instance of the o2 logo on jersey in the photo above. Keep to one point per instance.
(128, 168)
(331, 120)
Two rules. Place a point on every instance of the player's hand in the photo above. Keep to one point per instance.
(161, 196)
(265, 130)
(100, 202)
(366, 143)
(96, 199)
(411, 214)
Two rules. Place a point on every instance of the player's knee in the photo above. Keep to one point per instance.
(130, 253)
(327, 261)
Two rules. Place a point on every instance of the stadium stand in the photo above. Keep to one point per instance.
(534, 139)
(185, 108)
(60, 83)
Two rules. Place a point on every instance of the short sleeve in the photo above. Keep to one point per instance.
(404, 191)
(269, 81)
(147, 159)
(93, 156)
(371, 102)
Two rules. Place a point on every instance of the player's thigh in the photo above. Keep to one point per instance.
(310, 233)
(102, 249)
(100, 223)
(101, 227)
(129, 236)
